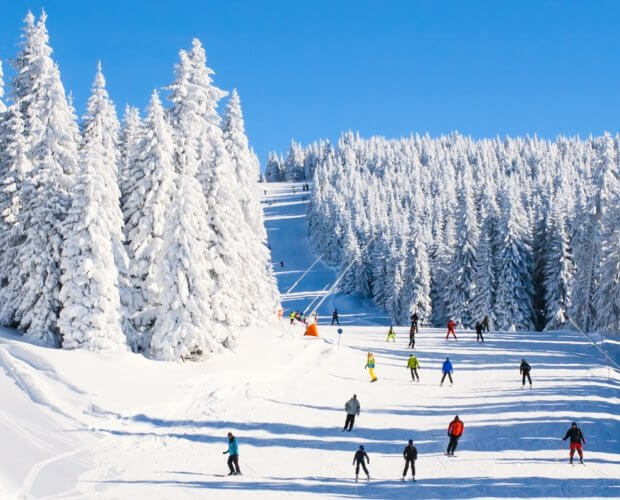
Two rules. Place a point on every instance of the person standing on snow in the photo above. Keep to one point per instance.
(352, 407)
(413, 365)
(335, 317)
(451, 327)
(479, 336)
(576, 440)
(360, 459)
(410, 454)
(446, 369)
(524, 370)
(292, 316)
(455, 431)
(233, 455)
(370, 364)
(414, 322)
(281, 264)
(391, 336)
(412, 331)
(485, 323)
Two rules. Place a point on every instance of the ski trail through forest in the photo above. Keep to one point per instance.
(117, 425)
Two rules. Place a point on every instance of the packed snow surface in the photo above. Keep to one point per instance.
(77, 424)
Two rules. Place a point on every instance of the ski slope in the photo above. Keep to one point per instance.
(91, 425)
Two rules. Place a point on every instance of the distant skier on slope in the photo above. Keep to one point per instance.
(335, 317)
(485, 323)
(360, 459)
(233, 455)
(413, 364)
(281, 264)
(479, 336)
(455, 431)
(576, 440)
(412, 332)
(524, 370)
(414, 322)
(447, 370)
(410, 454)
(391, 336)
(352, 407)
(370, 364)
(451, 326)
(292, 316)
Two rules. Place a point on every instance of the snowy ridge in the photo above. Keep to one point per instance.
(130, 427)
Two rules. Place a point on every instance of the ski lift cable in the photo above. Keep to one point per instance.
(605, 355)
(304, 274)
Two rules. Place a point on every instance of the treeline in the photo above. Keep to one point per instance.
(522, 229)
(146, 236)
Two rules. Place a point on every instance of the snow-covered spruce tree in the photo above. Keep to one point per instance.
(14, 166)
(294, 163)
(232, 302)
(513, 299)
(261, 293)
(462, 267)
(484, 293)
(273, 170)
(51, 136)
(178, 283)
(2, 105)
(152, 179)
(558, 269)
(129, 151)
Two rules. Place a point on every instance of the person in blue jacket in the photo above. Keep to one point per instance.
(233, 455)
(447, 370)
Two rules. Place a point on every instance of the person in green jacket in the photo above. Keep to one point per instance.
(391, 336)
(413, 365)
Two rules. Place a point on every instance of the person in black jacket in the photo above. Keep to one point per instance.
(524, 370)
(335, 317)
(479, 336)
(359, 460)
(576, 440)
(410, 454)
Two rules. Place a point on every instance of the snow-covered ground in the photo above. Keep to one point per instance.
(84, 425)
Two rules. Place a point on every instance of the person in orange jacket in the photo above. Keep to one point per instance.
(451, 327)
(455, 430)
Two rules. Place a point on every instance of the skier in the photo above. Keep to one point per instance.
(281, 264)
(233, 455)
(524, 370)
(451, 326)
(410, 454)
(370, 364)
(335, 317)
(485, 323)
(479, 336)
(576, 439)
(447, 370)
(360, 459)
(414, 321)
(391, 335)
(412, 331)
(292, 316)
(413, 365)
(455, 430)
(352, 407)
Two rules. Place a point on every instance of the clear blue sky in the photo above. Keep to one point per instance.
(310, 69)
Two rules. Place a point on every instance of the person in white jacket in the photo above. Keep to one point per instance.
(352, 407)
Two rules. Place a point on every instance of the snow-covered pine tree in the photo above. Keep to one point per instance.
(51, 145)
(14, 166)
(484, 293)
(513, 299)
(2, 105)
(558, 269)
(273, 170)
(152, 178)
(294, 163)
(129, 151)
(261, 292)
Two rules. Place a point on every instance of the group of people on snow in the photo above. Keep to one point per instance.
(302, 318)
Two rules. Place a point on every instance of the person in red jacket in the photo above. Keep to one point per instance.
(455, 430)
(451, 327)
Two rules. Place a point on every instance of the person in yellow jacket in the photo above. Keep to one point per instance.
(391, 336)
(370, 364)
(413, 365)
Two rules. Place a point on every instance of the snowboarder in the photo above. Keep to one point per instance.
(451, 326)
(485, 323)
(281, 264)
(524, 370)
(352, 407)
(233, 455)
(413, 365)
(391, 336)
(455, 430)
(335, 317)
(576, 440)
(360, 459)
(370, 364)
(446, 368)
(479, 336)
(410, 454)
